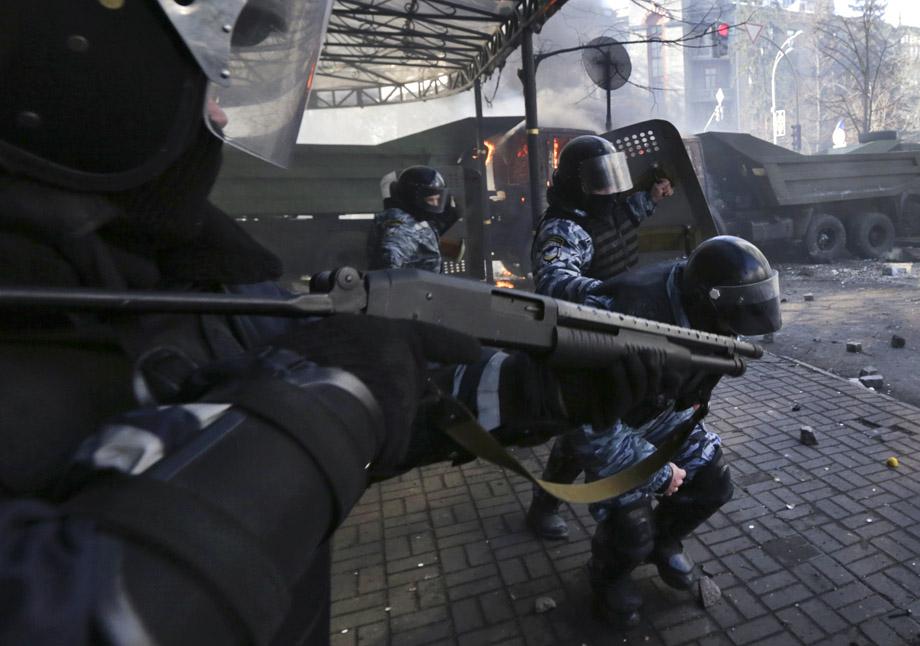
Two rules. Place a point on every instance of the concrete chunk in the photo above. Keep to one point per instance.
(868, 370)
(872, 381)
(809, 297)
(807, 436)
(854, 346)
(544, 604)
(708, 591)
(898, 341)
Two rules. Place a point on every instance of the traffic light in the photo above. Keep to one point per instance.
(797, 137)
(720, 32)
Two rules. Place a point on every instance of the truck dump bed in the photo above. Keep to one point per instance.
(780, 177)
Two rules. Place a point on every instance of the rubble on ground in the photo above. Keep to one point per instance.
(807, 436)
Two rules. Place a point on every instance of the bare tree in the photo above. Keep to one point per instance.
(866, 77)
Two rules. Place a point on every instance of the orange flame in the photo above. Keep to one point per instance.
(507, 284)
(491, 148)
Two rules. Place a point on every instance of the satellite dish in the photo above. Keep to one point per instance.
(607, 63)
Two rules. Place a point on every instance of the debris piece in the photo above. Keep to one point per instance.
(809, 297)
(817, 339)
(876, 434)
(796, 408)
(897, 269)
(767, 338)
(898, 341)
(873, 381)
(783, 300)
(868, 370)
(854, 346)
(893, 462)
(544, 604)
(708, 592)
(807, 436)
(790, 506)
(906, 612)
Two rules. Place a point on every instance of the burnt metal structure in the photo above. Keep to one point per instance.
(396, 51)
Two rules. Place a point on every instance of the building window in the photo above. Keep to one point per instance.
(709, 78)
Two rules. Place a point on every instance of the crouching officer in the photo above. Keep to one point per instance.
(407, 232)
(174, 478)
(728, 287)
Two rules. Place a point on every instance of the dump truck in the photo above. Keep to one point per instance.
(865, 203)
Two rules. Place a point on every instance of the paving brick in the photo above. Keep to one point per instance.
(814, 574)
(800, 624)
(746, 603)
(755, 630)
(424, 635)
(688, 631)
(819, 612)
(496, 606)
(499, 633)
(467, 615)
(425, 617)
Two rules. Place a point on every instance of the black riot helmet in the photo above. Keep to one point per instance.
(421, 190)
(103, 95)
(729, 287)
(589, 165)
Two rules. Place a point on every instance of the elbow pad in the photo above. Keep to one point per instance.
(207, 544)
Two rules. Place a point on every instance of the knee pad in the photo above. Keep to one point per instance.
(711, 486)
(627, 535)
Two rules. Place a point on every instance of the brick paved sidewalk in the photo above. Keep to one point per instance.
(820, 545)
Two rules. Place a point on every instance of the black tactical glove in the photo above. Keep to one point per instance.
(448, 217)
(390, 357)
(605, 396)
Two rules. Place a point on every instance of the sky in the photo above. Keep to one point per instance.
(557, 102)
(905, 11)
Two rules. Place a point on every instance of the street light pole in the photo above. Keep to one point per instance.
(782, 54)
(528, 77)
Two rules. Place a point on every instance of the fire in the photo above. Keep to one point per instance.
(490, 147)
(507, 284)
(556, 148)
(522, 151)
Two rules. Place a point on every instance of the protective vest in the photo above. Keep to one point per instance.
(616, 243)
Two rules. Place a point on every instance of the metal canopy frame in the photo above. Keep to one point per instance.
(397, 51)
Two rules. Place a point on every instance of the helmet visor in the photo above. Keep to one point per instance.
(749, 309)
(431, 199)
(605, 175)
(274, 48)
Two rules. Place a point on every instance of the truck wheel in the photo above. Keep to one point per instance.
(872, 235)
(825, 238)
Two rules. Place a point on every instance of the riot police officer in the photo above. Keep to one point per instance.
(407, 232)
(589, 231)
(726, 286)
(173, 479)
(588, 234)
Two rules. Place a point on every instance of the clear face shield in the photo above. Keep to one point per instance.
(749, 309)
(605, 175)
(260, 56)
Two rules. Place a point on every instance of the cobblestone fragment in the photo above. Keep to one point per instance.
(807, 436)
(543, 604)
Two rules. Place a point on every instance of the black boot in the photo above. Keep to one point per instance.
(543, 516)
(678, 515)
(616, 600)
(621, 543)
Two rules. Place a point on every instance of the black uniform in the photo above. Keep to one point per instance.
(174, 479)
